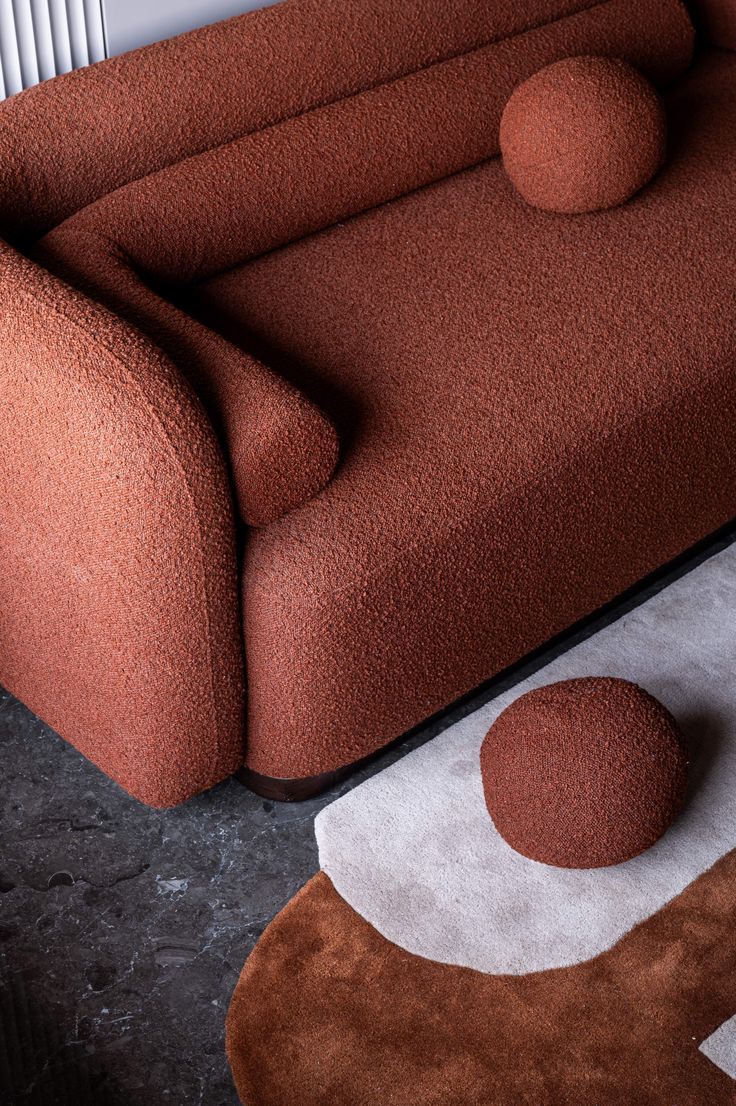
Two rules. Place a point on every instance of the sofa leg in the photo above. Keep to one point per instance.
(291, 790)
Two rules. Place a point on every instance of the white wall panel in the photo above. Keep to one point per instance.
(60, 32)
(42, 38)
(77, 33)
(26, 42)
(9, 49)
(132, 23)
(41, 24)
(95, 30)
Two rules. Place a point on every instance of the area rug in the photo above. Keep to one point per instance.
(427, 963)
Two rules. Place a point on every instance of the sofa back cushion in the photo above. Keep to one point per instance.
(222, 207)
(66, 143)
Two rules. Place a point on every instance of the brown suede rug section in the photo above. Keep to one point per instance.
(328, 1012)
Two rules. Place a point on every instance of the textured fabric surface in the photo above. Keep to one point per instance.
(329, 1013)
(582, 134)
(281, 449)
(134, 114)
(444, 884)
(501, 380)
(716, 21)
(584, 773)
(118, 608)
(401, 329)
(212, 211)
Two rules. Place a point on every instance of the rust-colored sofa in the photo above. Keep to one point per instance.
(309, 423)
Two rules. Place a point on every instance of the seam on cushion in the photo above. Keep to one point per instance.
(41, 302)
(588, 5)
(344, 221)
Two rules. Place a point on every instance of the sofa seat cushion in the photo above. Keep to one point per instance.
(535, 411)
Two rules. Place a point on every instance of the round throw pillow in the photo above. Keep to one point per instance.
(584, 773)
(582, 134)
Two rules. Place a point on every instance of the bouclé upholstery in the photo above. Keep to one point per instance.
(117, 543)
(582, 134)
(716, 20)
(437, 424)
(584, 773)
(219, 208)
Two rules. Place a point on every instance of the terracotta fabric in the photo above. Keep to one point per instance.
(410, 330)
(534, 412)
(716, 21)
(584, 773)
(582, 134)
(327, 1012)
(280, 447)
(212, 211)
(140, 112)
(118, 620)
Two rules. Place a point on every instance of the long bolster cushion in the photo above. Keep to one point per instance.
(66, 142)
(215, 210)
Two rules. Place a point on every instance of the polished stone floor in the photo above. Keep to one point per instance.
(123, 930)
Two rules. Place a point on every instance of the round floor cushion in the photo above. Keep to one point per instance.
(584, 773)
(582, 134)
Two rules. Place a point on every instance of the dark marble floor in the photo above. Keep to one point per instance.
(123, 929)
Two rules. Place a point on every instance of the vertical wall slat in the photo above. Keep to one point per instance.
(95, 30)
(26, 42)
(60, 33)
(12, 76)
(77, 32)
(44, 40)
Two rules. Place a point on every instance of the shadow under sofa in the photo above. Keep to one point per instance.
(275, 324)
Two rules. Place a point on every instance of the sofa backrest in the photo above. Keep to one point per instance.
(66, 143)
(214, 210)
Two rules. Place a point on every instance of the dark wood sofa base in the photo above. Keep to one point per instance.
(292, 790)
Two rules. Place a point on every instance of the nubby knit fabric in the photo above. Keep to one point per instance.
(535, 411)
(583, 134)
(716, 21)
(215, 210)
(584, 773)
(309, 292)
(118, 617)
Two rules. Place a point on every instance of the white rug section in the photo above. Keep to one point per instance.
(414, 851)
(720, 1047)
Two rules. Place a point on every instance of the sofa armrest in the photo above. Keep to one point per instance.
(119, 620)
(282, 449)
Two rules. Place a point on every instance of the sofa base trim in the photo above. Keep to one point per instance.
(285, 790)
